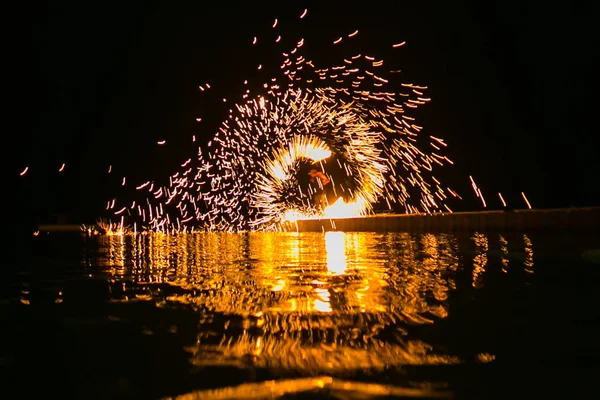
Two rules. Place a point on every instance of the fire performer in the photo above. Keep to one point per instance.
(324, 194)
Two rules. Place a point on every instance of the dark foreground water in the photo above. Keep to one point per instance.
(325, 315)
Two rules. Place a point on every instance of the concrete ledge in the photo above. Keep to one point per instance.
(59, 228)
(551, 219)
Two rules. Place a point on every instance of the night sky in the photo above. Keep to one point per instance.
(94, 85)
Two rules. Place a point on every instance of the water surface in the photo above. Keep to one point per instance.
(339, 315)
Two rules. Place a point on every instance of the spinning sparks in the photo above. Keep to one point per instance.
(347, 121)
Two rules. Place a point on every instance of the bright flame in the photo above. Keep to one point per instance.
(301, 147)
(293, 216)
(339, 209)
(317, 153)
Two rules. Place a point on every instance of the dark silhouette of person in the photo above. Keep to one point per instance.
(324, 195)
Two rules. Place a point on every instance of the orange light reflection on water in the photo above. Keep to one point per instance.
(321, 302)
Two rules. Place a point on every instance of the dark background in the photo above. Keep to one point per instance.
(94, 84)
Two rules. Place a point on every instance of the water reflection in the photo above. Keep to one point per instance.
(504, 256)
(528, 254)
(481, 258)
(317, 302)
(336, 245)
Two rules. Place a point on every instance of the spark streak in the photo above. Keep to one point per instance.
(526, 201)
